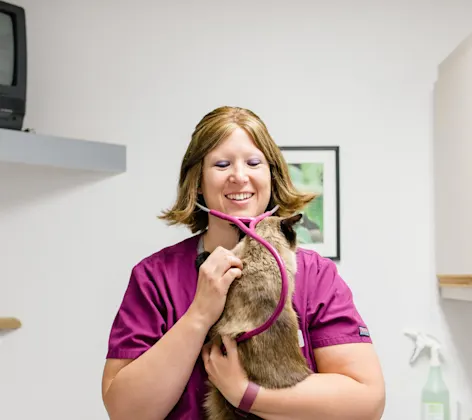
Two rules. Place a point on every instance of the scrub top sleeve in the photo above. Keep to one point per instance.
(140, 321)
(332, 315)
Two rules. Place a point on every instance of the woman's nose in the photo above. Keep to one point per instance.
(239, 174)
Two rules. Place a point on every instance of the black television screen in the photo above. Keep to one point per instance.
(7, 50)
(13, 63)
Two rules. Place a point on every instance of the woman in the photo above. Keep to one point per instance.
(156, 368)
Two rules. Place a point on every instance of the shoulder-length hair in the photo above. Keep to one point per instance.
(215, 127)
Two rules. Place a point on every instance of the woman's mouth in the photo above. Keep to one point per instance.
(239, 197)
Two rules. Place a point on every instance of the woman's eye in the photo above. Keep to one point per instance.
(222, 164)
(254, 162)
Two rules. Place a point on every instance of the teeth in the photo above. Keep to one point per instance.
(243, 196)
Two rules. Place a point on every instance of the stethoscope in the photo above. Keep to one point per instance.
(251, 231)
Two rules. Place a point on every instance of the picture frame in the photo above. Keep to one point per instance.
(316, 169)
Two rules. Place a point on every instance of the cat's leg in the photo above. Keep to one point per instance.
(217, 408)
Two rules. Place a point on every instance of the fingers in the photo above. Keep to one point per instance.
(206, 354)
(210, 353)
(206, 350)
(233, 261)
(224, 260)
(210, 350)
(222, 264)
(215, 349)
(219, 263)
(230, 275)
(230, 345)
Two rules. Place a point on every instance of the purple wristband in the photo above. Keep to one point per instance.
(248, 397)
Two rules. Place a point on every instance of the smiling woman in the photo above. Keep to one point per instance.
(232, 140)
(154, 368)
(236, 180)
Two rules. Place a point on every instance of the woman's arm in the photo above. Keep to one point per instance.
(349, 385)
(352, 390)
(148, 388)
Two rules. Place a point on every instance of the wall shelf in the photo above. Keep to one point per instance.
(60, 152)
(456, 287)
(9, 323)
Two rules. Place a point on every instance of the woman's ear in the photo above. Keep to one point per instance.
(199, 185)
(286, 226)
(200, 195)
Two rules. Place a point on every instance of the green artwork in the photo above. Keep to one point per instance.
(308, 177)
(315, 169)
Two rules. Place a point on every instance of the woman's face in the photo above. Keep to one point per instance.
(236, 177)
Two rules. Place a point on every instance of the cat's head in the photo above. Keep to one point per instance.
(280, 231)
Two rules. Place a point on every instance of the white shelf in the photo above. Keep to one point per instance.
(456, 287)
(60, 152)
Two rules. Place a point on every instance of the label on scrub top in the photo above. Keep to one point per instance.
(433, 411)
(301, 341)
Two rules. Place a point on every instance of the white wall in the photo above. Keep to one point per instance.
(355, 74)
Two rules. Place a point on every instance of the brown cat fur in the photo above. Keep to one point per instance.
(273, 358)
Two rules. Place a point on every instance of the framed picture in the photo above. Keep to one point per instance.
(316, 169)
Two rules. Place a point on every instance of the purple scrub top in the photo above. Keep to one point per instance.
(162, 287)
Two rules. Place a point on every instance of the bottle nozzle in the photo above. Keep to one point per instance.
(423, 341)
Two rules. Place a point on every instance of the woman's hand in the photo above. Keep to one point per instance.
(215, 277)
(225, 372)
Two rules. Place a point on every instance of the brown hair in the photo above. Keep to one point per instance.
(209, 132)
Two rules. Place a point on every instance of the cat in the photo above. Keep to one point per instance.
(273, 358)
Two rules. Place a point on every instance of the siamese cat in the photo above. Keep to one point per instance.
(272, 359)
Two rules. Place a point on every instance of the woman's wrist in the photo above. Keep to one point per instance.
(198, 320)
(237, 393)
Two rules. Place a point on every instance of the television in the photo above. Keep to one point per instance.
(13, 61)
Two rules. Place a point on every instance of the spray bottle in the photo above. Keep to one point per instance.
(435, 403)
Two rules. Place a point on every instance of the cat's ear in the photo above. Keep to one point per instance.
(287, 228)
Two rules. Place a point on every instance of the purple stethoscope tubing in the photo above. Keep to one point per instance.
(251, 231)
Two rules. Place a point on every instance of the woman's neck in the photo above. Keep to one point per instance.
(220, 233)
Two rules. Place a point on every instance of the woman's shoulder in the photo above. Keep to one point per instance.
(315, 272)
(310, 260)
(176, 253)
